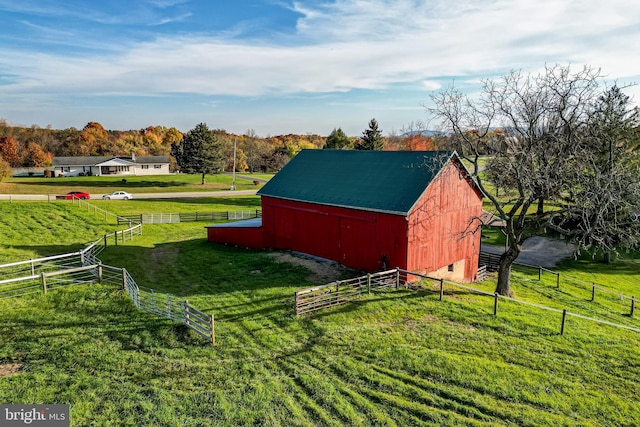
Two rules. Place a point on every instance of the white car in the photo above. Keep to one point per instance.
(118, 195)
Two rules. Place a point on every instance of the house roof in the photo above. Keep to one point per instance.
(383, 181)
(115, 161)
(96, 160)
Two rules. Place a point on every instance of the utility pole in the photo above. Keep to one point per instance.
(233, 182)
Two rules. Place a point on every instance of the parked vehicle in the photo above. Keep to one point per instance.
(74, 195)
(118, 195)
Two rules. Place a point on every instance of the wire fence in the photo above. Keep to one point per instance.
(590, 290)
(34, 267)
(84, 267)
(342, 291)
(106, 215)
(336, 293)
(174, 218)
(161, 303)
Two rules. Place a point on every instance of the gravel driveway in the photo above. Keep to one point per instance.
(538, 251)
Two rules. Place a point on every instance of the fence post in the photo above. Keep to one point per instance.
(33, 267)
(539, 273)
(495, 304)
(558, 281)
(44, 283)
(296, 303)
(115, 237)
(564, 317)
(593, 291)
(212, 327)
(82, 257)
(100, 273)
(185, 313)
(105, 241)
(369, 283)
(633, 305)
(441, 288)
(338, 292)
(153, 301)
(124, 279)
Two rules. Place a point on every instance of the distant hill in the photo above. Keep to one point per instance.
(428, 133)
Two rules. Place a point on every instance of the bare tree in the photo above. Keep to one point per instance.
(544, 136)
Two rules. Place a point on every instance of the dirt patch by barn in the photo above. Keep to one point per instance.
(323, 270)
(10, 369)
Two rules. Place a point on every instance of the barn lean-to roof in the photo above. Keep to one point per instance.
(381, 181)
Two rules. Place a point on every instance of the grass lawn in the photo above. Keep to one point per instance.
(134, 184)
(395, 358)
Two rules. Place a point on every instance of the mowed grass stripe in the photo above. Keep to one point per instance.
(394, 358)
(372, 380)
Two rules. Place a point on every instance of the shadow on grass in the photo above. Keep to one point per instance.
(244, 202)
(129, 183)
(196, 267)
(81, 314)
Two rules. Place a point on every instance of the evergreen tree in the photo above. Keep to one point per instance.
(371, 138)
(337, 139)
(199, 152)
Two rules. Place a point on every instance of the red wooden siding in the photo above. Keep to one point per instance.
(435, 237)
(354, 238)
(437, 226)
(244, 237)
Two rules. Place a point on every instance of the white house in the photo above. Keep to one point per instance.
(111, 165)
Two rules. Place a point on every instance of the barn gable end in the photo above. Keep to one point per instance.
(444, 227)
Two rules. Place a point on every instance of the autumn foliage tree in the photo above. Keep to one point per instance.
(5, 169)
(9, 151)
(34, 156)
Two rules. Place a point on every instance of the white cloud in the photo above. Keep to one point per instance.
(430, 85)
(352, 44)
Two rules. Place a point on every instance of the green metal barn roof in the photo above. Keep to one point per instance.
(384, 181)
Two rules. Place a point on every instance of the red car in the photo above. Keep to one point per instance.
(74, 195)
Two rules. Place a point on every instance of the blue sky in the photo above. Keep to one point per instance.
(280, 66)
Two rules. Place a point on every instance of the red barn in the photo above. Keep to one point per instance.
(370, 210)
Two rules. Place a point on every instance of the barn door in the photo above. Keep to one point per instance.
(357, 243)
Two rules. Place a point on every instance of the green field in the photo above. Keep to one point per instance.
(134, 184)
(395, 358)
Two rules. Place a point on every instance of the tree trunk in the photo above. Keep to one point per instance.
(540, 211)
(504, 270)
(202, 178)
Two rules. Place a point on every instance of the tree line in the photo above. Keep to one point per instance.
(35, 146)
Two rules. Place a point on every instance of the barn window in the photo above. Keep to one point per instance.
(450, 268)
